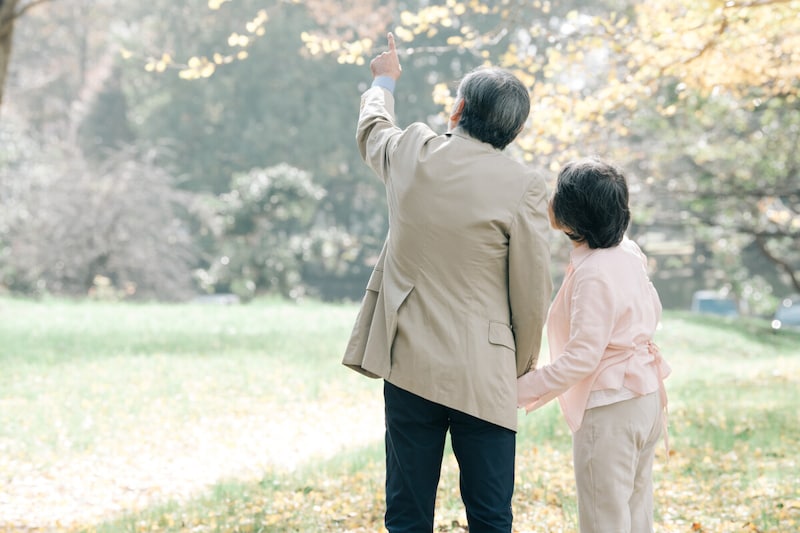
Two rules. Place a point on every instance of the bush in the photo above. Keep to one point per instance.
(261, 226)
(74, 222)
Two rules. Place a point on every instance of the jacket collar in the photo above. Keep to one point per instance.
(458, 131)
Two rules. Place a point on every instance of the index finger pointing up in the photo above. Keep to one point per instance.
(391, 43)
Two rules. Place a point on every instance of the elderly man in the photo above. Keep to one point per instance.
(454, 309)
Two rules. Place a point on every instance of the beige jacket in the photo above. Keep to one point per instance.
(455, 307)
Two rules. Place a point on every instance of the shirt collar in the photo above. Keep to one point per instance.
(458, 131)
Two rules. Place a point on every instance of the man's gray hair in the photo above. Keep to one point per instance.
(496, 106)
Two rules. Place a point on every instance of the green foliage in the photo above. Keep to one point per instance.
(265, 219)
(274, 240)
(231, 86)
(279, 106)
(730, 174)
(282, 197)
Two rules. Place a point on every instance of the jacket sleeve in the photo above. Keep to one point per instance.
(593, 311)
(529, 282)
(377, 134)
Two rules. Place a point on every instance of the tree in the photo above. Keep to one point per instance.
(233, 85)
(719, 45)
(723, 75)
(63, 59)
(72, 222)
(10, 11)
(212, 128)
(104, 211)
(7, 17)
(734, 173)
(593, 67)
(729, 64)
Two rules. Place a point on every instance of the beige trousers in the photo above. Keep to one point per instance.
(613, 453)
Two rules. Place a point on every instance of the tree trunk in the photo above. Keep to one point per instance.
(7, 19)
(794, 276)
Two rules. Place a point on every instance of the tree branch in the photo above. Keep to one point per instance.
(708, 221)
(21, 11)
(9, 19)
(709, 45)
(756, 3)
(787, 191)
(783, 265)
(733, 193)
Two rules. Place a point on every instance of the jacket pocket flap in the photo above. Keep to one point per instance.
(501, 334)
(375, 281)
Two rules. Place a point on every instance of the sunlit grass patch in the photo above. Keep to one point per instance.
(123, 406)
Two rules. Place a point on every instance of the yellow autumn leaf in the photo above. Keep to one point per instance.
(408, 19)
(403, 34)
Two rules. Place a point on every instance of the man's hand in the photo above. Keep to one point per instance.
(387, 63)
(525, 396)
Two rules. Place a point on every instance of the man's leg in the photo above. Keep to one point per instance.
(485, 454)
(415, 436)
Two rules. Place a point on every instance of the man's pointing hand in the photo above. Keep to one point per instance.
(387, 63)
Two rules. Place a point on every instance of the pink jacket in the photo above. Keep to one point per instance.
(600, 332)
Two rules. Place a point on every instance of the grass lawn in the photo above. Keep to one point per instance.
(152, 417)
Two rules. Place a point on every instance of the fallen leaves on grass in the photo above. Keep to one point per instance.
(341, 500)
(730, 471)
(744, 490)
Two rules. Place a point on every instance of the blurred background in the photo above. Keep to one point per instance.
(205, 148)
(203, 151)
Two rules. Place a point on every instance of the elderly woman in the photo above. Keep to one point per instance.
(605, 368)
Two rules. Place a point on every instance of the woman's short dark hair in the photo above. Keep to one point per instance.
(496, 106)
(590, 202)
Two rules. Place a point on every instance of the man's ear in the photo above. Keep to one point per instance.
(455, 114)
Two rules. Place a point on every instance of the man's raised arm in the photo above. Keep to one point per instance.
(376, 127)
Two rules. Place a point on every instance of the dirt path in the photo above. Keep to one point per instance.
(161, 464)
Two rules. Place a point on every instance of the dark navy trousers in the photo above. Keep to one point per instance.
(415, 437)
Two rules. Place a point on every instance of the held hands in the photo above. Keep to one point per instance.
(387, 63)
(525, 397)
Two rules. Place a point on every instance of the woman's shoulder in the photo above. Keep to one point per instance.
(625, 252)
(630, 246)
